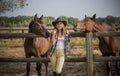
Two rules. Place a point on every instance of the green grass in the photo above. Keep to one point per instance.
(11, 42)
(19, 42)
(81, 42)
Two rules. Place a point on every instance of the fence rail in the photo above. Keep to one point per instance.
(78, 59)
(26, 28)
(32, 35)
(73, 34)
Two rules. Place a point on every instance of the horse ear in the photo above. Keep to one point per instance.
(41, 19)
(35, 18)
(94, 16)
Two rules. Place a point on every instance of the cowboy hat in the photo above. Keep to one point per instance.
(59, 20)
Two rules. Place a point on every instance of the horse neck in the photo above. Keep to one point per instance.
(104, 40)
(48, 39)
(102, 28)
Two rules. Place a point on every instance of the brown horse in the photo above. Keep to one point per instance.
(38, 46)
(109, 46)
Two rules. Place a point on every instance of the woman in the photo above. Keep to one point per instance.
(59, 46)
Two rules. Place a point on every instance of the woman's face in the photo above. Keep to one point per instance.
(59, 25)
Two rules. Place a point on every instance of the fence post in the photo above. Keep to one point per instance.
(23, 32)
(89, 53)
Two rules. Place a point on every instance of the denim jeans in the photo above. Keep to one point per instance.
(57, 60)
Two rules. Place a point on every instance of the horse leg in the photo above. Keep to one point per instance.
(117, 68)
(108, 69)
(116, 65)
(38, 68)
(28, 66)
(46, 68)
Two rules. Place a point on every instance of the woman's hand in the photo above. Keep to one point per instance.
(54, 31)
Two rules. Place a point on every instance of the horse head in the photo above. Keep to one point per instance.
(36, 26)
(87, 25)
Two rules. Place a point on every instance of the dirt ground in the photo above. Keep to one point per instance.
(19, 69)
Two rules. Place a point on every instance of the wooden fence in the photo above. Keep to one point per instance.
(24, 29)
(89, 57)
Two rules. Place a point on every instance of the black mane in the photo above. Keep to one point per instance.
(30, 26)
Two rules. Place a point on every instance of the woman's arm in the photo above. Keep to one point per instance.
(53, 37)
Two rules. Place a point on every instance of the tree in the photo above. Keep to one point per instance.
(48, 20)
(110, 20)
(72, 20)
(64, 18)
(10, 5)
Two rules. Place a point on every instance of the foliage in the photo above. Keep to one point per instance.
(72, 20)
(23, 21)
(19, 21)
(10, 5)
(48, 20)
(111, 20)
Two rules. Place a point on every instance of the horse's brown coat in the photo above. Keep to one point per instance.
(109, 46)
(38, 46)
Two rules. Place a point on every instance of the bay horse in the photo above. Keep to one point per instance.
(37, 46)
(109, 46)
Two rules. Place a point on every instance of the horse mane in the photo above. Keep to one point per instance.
(102, 23)
(30, 26)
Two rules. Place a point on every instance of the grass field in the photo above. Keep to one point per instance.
(11, 42)
(19, 42)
